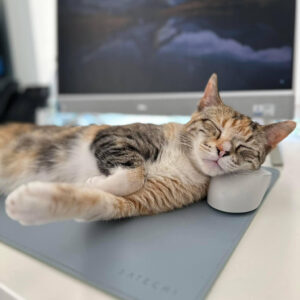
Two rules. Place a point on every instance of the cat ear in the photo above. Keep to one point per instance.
(211, 95)
(276, 132)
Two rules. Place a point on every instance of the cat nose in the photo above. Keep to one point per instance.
(221, 152)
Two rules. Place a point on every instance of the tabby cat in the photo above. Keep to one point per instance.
(109, 172)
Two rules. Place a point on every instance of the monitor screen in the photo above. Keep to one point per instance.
(151, 46)
(3, 44)
(2, 69)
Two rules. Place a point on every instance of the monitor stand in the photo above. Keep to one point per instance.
(276, 157)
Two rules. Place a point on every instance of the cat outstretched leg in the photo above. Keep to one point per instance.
(38, 203)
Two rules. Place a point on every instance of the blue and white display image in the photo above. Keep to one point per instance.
(151, 46)
(2, 69)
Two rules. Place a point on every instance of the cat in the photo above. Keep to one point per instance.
(107, 172)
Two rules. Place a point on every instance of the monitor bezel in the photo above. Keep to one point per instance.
(181, 103)
(184, 103)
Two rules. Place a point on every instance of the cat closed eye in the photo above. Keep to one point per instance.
(246, 152)
(211, 128)
(242, 147)
(210, 132)
(248, 155)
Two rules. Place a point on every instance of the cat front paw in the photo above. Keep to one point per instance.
(95, 182)
(31, 204)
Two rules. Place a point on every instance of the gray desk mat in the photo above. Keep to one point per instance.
(176, 255)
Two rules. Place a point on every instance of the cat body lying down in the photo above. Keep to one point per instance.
(108, 172)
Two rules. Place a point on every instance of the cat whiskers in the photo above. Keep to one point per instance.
(186, 144)
(232, 165)
(205, 149)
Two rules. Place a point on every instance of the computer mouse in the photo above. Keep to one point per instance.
(238, 192)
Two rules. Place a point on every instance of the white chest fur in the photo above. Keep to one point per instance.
(80, 165)
(174, 163)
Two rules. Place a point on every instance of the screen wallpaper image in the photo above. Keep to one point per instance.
(2, 70)
(152, 46)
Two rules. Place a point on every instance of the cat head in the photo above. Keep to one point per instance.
(221, 140)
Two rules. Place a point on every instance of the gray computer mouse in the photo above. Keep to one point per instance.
(238, 192)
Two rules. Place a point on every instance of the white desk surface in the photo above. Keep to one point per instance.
(265, 265)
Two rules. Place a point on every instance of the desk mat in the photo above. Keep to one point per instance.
(176, 255)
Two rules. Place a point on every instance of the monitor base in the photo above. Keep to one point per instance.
(276, 158)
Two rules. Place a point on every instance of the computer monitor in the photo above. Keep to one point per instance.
(155, 57)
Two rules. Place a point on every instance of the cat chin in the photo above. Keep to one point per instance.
(210, 168)
(212, 172)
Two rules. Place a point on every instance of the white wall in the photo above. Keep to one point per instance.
(43, 14)
(32, 34)
(43, 22)
(297, 56)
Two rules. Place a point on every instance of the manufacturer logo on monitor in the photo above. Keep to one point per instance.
(264, 110)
